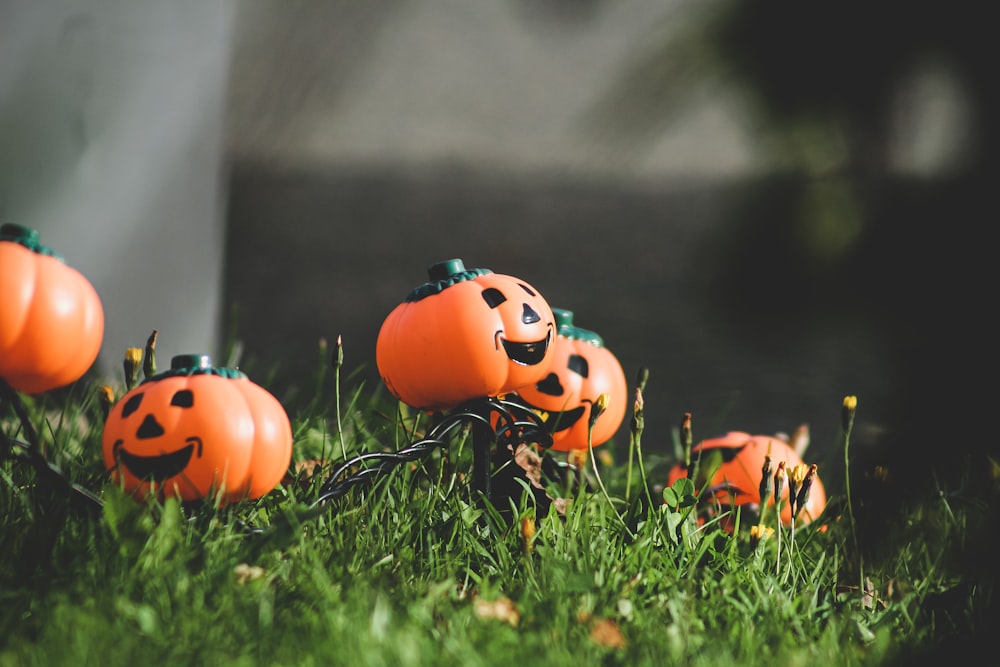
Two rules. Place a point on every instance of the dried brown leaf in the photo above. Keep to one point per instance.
(606, 633)
(501, 609)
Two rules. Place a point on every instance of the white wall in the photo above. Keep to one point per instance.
(111, 139)
(522, 86)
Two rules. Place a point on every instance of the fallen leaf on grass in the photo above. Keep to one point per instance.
(606, 633)
(245, 573)
(501, 609)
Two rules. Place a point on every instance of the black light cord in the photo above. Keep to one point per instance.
(514, 425)
(509, 431)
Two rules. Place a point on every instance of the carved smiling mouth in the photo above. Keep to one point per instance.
(157, 468)
(526, 354)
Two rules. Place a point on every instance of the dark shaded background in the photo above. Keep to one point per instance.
(639, 265)
(757, 303)
(921, 272)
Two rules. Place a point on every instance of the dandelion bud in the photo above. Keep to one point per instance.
(803, 496)
(687, 438)
(107, 396)
(795, 478)
(133, 359)
(847, 413)
(766, 480)
(337, 360)
(598, 407)
(149, 364)
(638, 413)
(779, 482)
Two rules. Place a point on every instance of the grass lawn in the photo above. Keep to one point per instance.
(412, 567)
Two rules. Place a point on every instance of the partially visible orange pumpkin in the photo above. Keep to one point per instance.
(735, 461)
(51, 318)
(462, 335)
(197, 432)
(582, 370)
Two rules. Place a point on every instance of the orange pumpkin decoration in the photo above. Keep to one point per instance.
(737, 459)
(582, 369)
(196, 432)
(51, 319)
(465, 334)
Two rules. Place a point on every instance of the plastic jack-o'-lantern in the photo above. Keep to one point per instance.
(463, 335)
(735, 461)
(51, 319)
(582, 369)
(197, 432)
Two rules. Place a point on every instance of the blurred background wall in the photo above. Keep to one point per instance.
(111, 146)
(610, 153)
(768, 206)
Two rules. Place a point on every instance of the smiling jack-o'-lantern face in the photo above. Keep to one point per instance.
(734, 462)
(582, 369)
(197, 431)
(464, 335)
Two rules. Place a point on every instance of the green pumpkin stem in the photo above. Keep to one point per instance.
(443, 275)
(27, 237)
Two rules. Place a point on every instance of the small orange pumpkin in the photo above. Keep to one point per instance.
(195, 431)
(465, 334)
(51, 318)
(582, 369)
(737, 459)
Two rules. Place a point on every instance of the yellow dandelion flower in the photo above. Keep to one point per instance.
(528, 528)
(760, 532)
(131, 364)
(798, 473)
(599, 406)
(847, 413)
(578, 458)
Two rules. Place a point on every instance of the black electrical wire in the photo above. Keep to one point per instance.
(509, 431)
(514, 424)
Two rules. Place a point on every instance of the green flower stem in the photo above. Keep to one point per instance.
(600, 483)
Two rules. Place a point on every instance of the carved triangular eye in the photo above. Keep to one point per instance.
(493, 297)
(183, 399)
(131, 405)
(579, 365)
